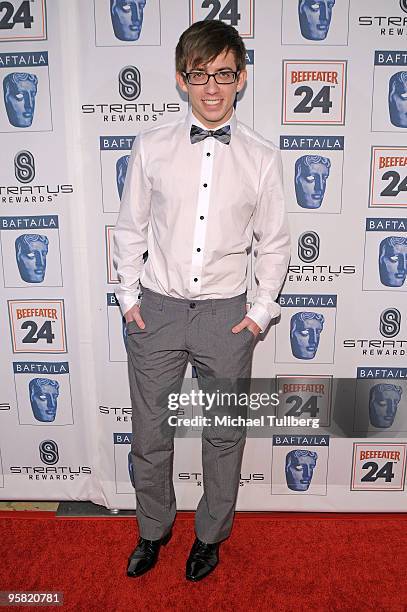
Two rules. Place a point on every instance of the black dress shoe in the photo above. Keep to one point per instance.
(145, 555)
(202, 560)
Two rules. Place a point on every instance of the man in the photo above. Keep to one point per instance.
(196, 192)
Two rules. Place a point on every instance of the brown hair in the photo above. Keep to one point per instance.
(204, 41)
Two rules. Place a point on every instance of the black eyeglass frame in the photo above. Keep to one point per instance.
(235, 74)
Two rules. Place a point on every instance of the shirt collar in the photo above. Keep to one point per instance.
(192, 120)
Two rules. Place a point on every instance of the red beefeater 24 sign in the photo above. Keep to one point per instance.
(314, 92)
(388, 177)
(37, 326)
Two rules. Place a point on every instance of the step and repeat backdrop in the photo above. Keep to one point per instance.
(327, 83)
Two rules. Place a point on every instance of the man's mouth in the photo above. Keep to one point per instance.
(212, 102)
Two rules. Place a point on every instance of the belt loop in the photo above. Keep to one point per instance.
(213, 304)
(162, 301)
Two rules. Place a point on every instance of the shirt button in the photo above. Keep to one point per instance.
(205, 184)
(192, 305)
(195, 280)
(202, 217)
(199, 250)
(208, 155)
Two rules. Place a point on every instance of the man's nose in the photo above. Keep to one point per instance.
(311, 338)
(305, 473)
(40, 259)
(318, 184)
(401, 263)
(211, 86)
(29, 102)
(391, 408)
(135, 13)
(323, 11)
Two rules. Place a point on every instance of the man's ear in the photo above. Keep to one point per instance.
(241, 80)
(181, 82)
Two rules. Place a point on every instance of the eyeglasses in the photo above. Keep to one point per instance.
(223, 77)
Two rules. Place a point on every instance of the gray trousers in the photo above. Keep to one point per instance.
(178, 330)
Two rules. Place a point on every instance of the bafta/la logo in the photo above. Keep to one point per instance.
(308, 247)
(24, 166)
(129, 83)
(49, 452)
(390, 322)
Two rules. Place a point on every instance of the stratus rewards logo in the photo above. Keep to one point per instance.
(129, 108)
(231, 409)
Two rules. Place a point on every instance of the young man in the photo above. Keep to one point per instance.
(196, 192)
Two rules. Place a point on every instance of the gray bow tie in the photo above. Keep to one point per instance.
(197, 134)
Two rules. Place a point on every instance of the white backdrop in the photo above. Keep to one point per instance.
(328, 84)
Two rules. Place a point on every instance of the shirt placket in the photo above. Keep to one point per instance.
(201, 220)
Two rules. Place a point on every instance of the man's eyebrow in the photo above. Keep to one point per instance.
(218, 70)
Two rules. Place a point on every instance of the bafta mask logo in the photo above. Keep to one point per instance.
(305, 332)
(311, 175)
(20, 90)
(44, 394)
(315, 18)
(383, 402)
(393, 261)
(121, 171)
(31, 256)
(398, 99)
(299, 469)
(127, 18)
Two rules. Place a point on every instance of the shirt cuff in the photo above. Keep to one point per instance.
(128, 301)
(262, 315)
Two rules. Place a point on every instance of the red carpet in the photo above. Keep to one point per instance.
(281, 562)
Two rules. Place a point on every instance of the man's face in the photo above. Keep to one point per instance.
(212, 104)
(127, 18)
(393, 264)
(44, 400)
(299, 472)
(398, 99)
(19, 99)
(32, 260)
(383, 406)
(310, 184)
(315, 18)
(305, 337)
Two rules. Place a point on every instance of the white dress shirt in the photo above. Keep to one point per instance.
(195, 208)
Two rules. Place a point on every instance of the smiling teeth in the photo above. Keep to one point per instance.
(211, 101)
